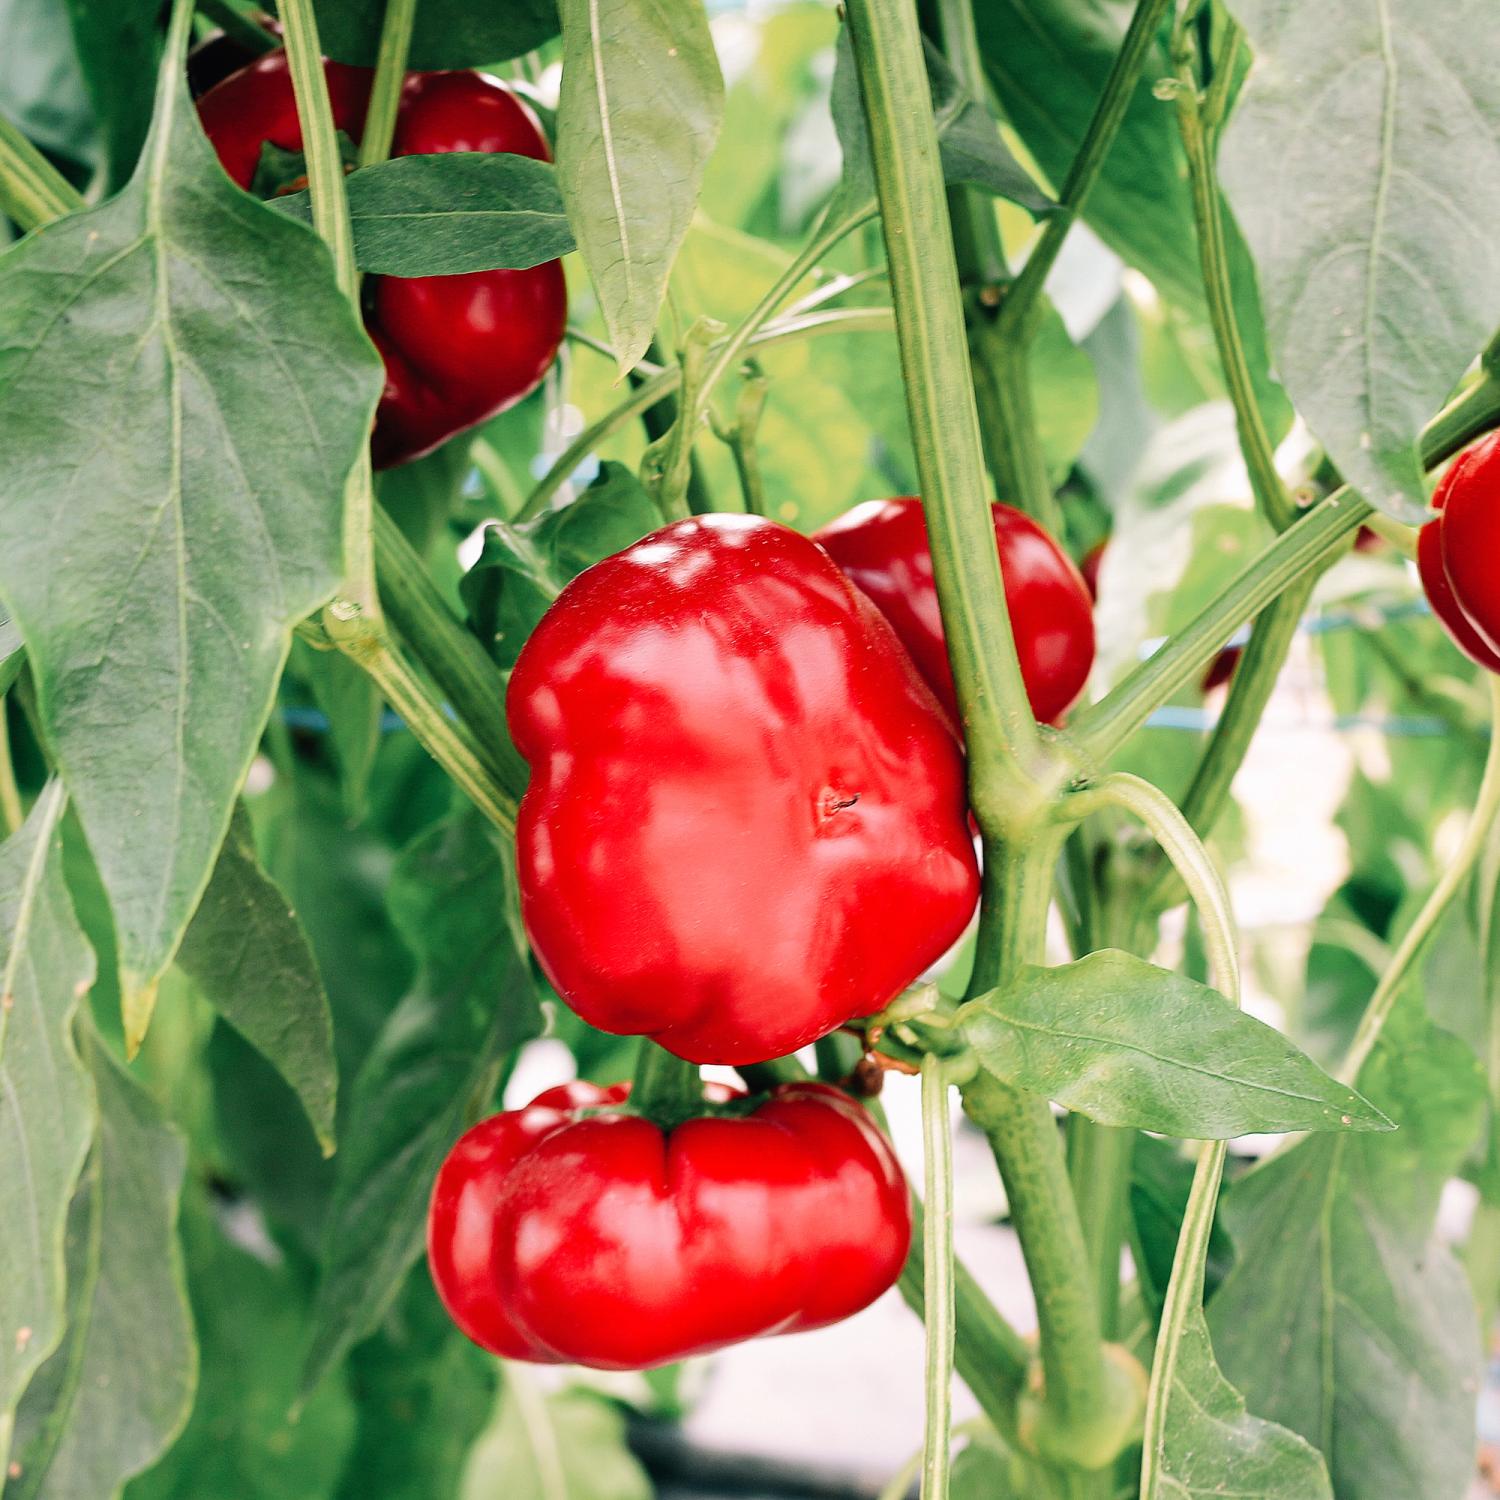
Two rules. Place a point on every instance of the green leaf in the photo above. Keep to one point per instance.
(119, 50)
(641, 104)
(42, 90)
(1345, 1318)
(1212, 1447)
(12, 651)
(248, 955)
(969, 142)
(242, 1439)
(570, 1446)
(447, 33)
(446, 214)
(119, 1387)
(180, 379)
(1160, 1179)
(49, 1108)
(354, 708)
(432, 1070)
(1126, 1043)
(1377, 235)
(522, 569)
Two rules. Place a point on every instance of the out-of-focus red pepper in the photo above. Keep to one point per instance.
(1458, 553)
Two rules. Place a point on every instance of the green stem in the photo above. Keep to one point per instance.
(497, 477)
(235, 23)
(448, 742)
(1002, 379)
(390, 75)
(666, 1089)
(658, 421)
(667, 465)
(11, 807)
(649, 392)
(741, 438)
(1021, 308)
(937, 1259)
(1208, 214)
(453, 657)
(1001, 733)
(1099, 1158)
(1486, 809)
(32, 191)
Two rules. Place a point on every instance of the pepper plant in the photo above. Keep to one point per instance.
(394, 677)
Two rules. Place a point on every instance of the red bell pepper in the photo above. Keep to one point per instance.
(457, 349)
(1457, 553)
(593, 1238)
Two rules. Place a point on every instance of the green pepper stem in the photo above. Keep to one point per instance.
(385, 88)
(937, 1263)
(666, 1089)
(32, 191)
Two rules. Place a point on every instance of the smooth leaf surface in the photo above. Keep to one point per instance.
(45, 1127)
(641, 104)
(119, 1386)
(182, 390)
(450, 213)
(1213, 1447)
(1378, 234)
(523, 568)
(118, 47)
(970, 146)
(1126, 1043)
(446, 34)
(1345, 1318)
(570, 1446)
(248, 955)
(431, 1071)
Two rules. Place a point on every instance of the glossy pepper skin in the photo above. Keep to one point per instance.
(746, 821)
(457, 349)
(1458, 553)
(882, 547)
(598, 1240)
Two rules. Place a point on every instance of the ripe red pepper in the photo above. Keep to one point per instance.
(1456, 553)
(457, 349)
(746, 821)
(882, 546)
(595, 1239)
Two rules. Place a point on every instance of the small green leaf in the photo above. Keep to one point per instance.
(1377, 236)
(119, 1387)
(570, 1446)
(1345, 1317)
(642, 99)
(451, 213)
(446, 33)
(248, 955)
(181, 379)
(1126, 1043)
(431, 1071)
(522, 569)
(49, 1108)
(1213, 1447)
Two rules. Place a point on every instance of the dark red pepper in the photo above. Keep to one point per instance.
(746, 821)
(457, 349)
(595, 1239)
(1458, 553)
(882, 546)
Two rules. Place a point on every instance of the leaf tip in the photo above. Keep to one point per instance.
(137, 1004)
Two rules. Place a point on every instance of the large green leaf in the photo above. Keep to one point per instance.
(1213, 1447)
(244, 1438)
(1378, 233)
(119, 1386)
(447, 33)
(570, 1446)
(523, 568)
(454, 212)
(432, 1070)
(248, 955)
(1345, 1318)
(183, 390)
(48, 1115)
(1126, 1043)
(640, 109)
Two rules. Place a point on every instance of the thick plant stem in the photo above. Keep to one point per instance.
(450, 654)
(1424, 924)
(1004, 746)
(665, 1089)
(390, 75)
(1198, 139)
(330, 215)
(937, 1260)
(1099, 1158)
(32, 191)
